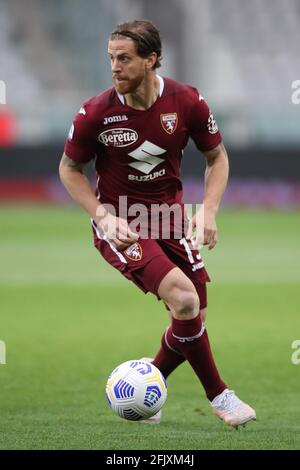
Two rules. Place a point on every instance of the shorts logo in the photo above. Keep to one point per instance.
(169, 122)
(134, 252)
(119, 137)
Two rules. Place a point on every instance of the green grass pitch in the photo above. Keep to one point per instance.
(67, 319)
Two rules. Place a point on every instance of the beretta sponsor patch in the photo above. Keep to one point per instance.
(119, 137)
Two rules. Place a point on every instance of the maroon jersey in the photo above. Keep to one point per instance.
(138, 153)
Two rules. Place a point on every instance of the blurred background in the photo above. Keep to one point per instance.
(243, 60)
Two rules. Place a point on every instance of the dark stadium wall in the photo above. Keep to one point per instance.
(42, 162)
(258, 177)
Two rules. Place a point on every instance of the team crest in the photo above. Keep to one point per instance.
(134, 252)
(169, 122)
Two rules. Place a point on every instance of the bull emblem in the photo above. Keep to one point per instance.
(134, 252)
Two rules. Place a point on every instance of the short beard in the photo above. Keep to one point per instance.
(128, 86)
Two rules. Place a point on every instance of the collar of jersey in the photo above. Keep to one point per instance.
(161, 89)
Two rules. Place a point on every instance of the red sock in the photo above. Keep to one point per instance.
(190, 339)
(167, 360)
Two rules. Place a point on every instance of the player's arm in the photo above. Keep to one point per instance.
(77, 184)
(205, 133)
(216, 177)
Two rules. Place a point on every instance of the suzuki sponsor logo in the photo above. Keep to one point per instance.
(151, 176)
(146, 157)
(120, 137)
(111, 119)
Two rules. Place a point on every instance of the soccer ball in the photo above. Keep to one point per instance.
(136, 390)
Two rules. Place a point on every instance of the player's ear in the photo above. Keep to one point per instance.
(151, 60)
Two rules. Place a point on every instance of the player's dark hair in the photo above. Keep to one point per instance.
(144, 34)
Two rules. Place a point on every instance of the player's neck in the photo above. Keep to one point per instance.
(146, 94)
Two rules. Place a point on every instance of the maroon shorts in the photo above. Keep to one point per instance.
(147, 261)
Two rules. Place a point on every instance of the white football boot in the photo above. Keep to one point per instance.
(155, 419)
(233, 411)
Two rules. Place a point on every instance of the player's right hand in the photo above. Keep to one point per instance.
(117, 231)
(202, 228)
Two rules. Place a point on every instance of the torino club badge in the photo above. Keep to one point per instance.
(169, 122)
(134, 252)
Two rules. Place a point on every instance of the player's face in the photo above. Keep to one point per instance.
(128, 69)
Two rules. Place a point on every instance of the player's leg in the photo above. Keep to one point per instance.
(186, 334)
(166, 359)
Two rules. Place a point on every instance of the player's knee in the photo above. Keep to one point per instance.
(186, 305)
(180, 295)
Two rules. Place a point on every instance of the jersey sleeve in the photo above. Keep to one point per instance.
(203, 127)
(81, 143)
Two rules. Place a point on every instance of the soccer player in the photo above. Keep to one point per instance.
(136, 132)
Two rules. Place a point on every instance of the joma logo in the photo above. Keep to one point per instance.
(111, 119)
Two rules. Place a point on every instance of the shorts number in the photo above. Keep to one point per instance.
(185, 243)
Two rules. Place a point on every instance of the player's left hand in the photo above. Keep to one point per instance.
(203, 225)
